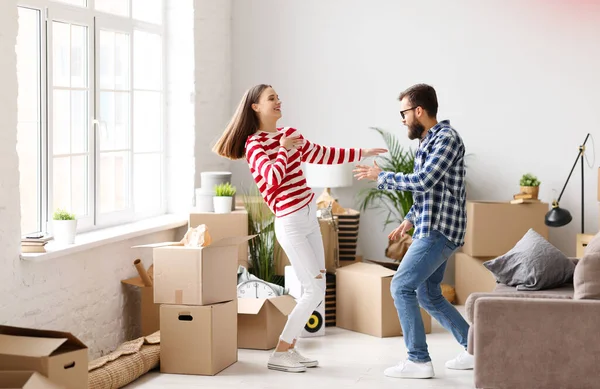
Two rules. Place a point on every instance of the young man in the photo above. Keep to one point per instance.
(439, 217)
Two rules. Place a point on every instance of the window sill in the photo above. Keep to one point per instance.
(90, 240)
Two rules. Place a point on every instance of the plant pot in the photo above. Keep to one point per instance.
(64, 231)
(532, 190)
(222, 204)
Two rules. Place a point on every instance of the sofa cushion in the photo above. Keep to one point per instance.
(533, 264)
(586, 279)
(593, 246)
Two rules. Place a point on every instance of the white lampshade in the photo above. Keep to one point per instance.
(328, 176)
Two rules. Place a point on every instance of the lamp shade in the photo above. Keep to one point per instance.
(558, 217)
(328, 176)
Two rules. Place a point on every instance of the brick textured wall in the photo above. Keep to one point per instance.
(82, 293)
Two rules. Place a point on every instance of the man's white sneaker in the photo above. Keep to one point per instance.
(410, 369)
(308, 362)
(284, 361)
(463, 361)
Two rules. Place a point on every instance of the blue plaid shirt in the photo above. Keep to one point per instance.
(437, 183)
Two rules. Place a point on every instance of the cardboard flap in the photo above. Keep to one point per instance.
(368, 269)
(42, 334)
(285, 304)
(155, 245)
(231, 241)
(250, 306)
(28, 346)
(135, 281)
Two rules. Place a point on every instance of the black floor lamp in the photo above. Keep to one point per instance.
(557, 216)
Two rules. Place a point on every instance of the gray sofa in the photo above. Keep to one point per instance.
(539, 339)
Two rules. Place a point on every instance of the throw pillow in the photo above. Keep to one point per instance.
(533, 264)
(593, 246)
(586, 280)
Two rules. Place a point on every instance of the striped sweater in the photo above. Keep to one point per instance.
(278, 173)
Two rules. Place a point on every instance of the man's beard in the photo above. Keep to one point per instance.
(415, 130)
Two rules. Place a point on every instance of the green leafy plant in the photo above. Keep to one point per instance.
(394, 202)
(262, 248)
(529, 180)
(225, 190)
(61, 214)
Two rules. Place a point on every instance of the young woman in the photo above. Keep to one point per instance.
(274, 156)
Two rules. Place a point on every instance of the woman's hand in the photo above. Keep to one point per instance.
(291, 143)
(372, 152)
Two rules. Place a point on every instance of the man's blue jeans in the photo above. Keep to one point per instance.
(417, 282)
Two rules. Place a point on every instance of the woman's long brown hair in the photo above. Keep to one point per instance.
(244, 123)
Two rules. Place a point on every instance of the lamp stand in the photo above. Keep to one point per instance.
(564, 214)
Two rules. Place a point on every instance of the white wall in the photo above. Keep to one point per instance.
(518, 80)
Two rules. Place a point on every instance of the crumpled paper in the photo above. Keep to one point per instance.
(197, 237)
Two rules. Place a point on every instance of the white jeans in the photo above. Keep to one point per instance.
(299, 235)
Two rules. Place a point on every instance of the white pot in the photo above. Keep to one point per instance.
(64, 231)
(222, 204)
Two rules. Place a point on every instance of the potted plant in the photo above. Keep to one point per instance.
(64, 226)
(530, 185)
(223, 199)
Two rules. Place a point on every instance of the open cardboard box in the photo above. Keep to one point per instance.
(149, 311)
(59, 356)
(261, 321)
(225, 225)
(364, 302)
(196, 275)
(198, 339)
(25, 380)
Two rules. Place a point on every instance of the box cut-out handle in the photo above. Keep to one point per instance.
(70, 365)
(185, 317)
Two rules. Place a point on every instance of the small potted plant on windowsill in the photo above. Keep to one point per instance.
(530, 185)
(64, 226)
(223, 199)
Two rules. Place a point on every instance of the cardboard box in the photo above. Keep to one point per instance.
(149, 311)
(582, 242)
(493, 228)
(25, 380)
(357, 259)
(198, 340)
(471, 276)
(330, 245)
(225, 225)
(261, 321)
(196, 275)
(364, 302)
(315, 325)
(59, 356)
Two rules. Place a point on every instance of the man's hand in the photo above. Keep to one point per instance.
(372, 152)
(400, 230)
(362, 172)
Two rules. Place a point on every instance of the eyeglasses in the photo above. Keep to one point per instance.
(406, 110)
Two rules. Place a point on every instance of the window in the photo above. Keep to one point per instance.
(91, 111)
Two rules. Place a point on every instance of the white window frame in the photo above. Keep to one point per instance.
(94, 20)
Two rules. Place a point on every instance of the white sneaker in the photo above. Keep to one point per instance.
(308, 362)
(410, 369)
(285, 361)
(463, 361)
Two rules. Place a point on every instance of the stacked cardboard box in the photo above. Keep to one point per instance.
(493, 228)
(196, 290)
